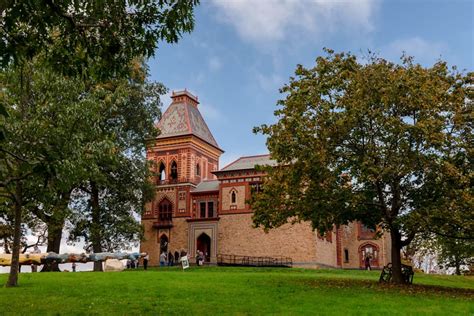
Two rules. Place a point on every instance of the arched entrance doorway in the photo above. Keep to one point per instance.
(164, 244)
(204, 245)
(369, 250)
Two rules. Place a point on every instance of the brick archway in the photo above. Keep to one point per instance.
(203, 243)
(372, 251)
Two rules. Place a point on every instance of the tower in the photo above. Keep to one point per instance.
(184, 154)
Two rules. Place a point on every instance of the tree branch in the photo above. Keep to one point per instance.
(409, 238)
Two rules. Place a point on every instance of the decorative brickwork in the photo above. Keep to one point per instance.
(209, 209)
(239, 193)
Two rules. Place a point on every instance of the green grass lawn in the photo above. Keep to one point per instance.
(241, 291)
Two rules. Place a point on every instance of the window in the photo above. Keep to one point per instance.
(202, 207)
(165, 210)
(206, 209)
(174, 170)
(210, 209)
(233, 197)
(346, 255)
(198, 170)
(162, 172)
(256, 187)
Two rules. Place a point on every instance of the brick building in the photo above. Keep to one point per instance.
(199, 207)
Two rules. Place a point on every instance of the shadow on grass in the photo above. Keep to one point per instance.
(413, 289)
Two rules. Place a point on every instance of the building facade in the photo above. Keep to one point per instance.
(201, 207)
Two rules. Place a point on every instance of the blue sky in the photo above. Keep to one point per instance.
(242, 51)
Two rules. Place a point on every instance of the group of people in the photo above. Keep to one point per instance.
(134, 264)
(170, 259)
(200, 258)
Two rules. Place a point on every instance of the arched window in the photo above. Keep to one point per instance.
(165, 211)
(174, 170)
(198, 169)
(233, 197)
(162, 171)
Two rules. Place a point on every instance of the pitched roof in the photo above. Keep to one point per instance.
(183, 118)
(250, 162)
(206, 186)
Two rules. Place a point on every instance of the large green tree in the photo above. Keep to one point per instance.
(111, 199)
(93, 41)
(42, 148)
(95, 38)
(366, 141)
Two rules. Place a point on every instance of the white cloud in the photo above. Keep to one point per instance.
(422, 50)
(274, 20)
(215, 64)
(270, 83)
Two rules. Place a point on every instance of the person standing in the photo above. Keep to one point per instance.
(170, 259)
(176, 257)
(74, 267)
(198, 258)
(201, 257)
(145, 261)
(163, 259)
(367, 263)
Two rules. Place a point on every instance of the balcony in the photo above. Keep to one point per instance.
(163, 222)
(167, 181)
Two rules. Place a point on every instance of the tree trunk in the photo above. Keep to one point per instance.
(458, 266)
(55, 233)
(15, 264)
(95, 225)
(397, 277)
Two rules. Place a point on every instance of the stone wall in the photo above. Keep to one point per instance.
(150, 242)
(177, 236)
(178, 239)
(237, 236)
(326, 250)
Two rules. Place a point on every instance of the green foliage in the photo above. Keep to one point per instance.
(235, 291)
(377, 142)
(94, 38)
(61, 134)
(455, 253)
(110, 199)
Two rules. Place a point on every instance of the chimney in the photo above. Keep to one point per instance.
(184, 96)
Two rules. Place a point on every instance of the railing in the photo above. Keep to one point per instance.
(167, 181)
(164, 223)
(249, 261)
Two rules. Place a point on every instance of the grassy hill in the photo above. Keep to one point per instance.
(241, 291)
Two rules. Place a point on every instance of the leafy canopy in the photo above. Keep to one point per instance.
(74, 35)
(370, 142)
